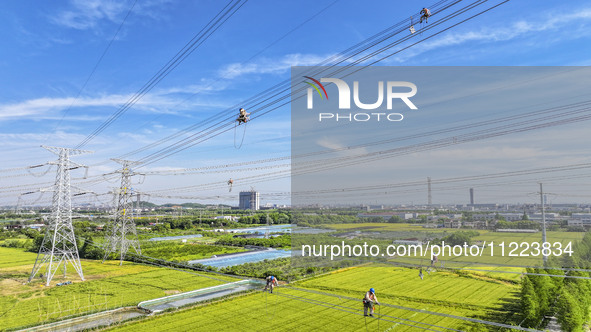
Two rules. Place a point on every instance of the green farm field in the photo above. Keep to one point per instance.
(486, 237)
(496, 266)
(107, 286)
(332, 302)
(498, 258)
(389, 227)
(180, 252)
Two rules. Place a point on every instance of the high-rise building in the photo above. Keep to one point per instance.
(249, 200)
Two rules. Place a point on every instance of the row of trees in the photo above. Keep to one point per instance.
(281, 241)
(283, 269)
(305, 219)
(458, 238)
(569, 299)
(275, 217)
(188, 222)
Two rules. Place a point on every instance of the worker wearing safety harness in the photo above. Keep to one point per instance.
(425, 14)
(243, 116)
(271, 283)
(368, 302)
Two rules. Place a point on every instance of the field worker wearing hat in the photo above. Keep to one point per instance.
(368, 302)
(271, 283)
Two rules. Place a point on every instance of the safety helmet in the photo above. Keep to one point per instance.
(372, 290)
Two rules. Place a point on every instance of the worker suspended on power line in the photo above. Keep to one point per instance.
(425, 14)
(369, 301)
(243, 117)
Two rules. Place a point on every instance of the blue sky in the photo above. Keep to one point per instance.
(50, 48)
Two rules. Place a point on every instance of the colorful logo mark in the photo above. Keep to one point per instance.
(316, 87)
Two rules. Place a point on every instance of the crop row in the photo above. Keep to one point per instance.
(332, 302)
(107, 286)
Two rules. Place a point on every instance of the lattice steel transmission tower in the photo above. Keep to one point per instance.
(121, 234)
(59, 245)
(429, 197)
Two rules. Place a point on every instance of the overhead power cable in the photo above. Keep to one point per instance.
(94, 68)
(267, 95)
(227, 124)
(212, 26)
(243, 63)
(526, 124)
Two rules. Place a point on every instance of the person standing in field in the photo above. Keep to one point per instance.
(271, 283)
(368, 302)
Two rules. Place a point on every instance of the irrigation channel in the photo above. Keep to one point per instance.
(243, 257)
(259, 231)
(251, 256)
(145, 308)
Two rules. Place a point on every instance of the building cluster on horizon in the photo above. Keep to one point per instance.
(481, 220)
(249, 200)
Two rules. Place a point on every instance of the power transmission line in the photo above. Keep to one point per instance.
(121, 232)
(93, 69)
(249, 60)
(59, 243)
(264, 96)
(212, 26)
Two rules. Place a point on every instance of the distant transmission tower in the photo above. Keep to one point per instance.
(543, 220)
(429, 199)
(59, 243)
(121, 233)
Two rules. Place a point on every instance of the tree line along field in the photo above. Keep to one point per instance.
(332, 302)
(107, 286)
(484, 234)
(181, 252)
(390, 227)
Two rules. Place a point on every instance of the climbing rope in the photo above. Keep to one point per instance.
(243, 134)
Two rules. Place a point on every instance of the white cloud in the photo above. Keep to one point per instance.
(140, 138)
(160, 101)
(87, 14)
(42, 107)
(271, 66)
(30, 138)
(330, 144)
